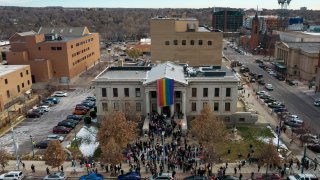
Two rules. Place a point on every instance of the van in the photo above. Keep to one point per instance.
(303, 177)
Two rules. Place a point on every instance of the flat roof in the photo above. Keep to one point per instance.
(6, 69)
(124, 73)
(177, 19)
(312, 47)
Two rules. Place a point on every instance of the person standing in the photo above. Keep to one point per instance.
(33, 168)
(252, 175)
(61, 168)
(48, 171)
(240, 176)
(235, 170)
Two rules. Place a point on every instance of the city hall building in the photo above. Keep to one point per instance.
(167, 88)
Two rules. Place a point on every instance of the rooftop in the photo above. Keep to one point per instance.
(6, 69)
(63, 31)
(177, 19)
(307, 47)
(169, 70)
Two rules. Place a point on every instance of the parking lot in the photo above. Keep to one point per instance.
(41, 127)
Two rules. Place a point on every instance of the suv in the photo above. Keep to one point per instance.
(12, 175)
(32, 114)
(303, 177)
(53, 99)
(162, 176)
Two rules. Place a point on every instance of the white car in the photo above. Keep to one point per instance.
(44, 108)
(55, 137)
(59, 94)
(269, 87)
(12, 175)
(303, 177)
(55, 176)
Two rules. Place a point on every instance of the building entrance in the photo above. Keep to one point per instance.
(166, 110)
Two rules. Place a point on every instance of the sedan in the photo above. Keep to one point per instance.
(269, 87)
(264, 96)
(314, 147)
(12, 175)
(74, 117)
(55, 176)
(67, 124)
(42, 144)
(261, 93)
(61, 130)
(55, 137)
(71, 120)
(59, 94)
(316, 103)
(91, 98)
(53, 99)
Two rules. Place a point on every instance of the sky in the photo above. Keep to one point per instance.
(268, 4)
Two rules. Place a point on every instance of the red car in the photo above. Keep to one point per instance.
(61, 130)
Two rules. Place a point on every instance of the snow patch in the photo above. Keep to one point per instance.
(273, 140)
(88, 140)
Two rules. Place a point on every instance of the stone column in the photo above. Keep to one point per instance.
(184, 102)
(158, 109)
(172, 110)
(147, 103)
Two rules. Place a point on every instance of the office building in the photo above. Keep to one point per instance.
(227, 20)
(57, 54)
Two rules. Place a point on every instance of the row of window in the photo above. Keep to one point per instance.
(21, 75)
(227, 106)
(191, 42)
(82, 51)
(206, 90)
(83, 42)
(56, 48)
(82, 59)
(127, 105)
(18, 89)
(125, 91)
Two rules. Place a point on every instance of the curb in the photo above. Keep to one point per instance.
(14, 124)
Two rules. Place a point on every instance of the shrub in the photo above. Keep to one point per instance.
(97, 153)
(87, 120)
(93, 114)
(95, 108)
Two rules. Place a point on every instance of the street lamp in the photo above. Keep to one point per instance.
(32, 145)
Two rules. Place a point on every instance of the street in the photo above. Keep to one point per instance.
(295, 100)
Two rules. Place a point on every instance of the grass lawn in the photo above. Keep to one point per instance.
(249, 136)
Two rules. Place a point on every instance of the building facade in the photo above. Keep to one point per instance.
(301, 59)
(184, 41)
(136, 89)
(15, 81)
(55, 53)
(227, 20)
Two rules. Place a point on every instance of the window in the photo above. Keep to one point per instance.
(205, 92)
(8, 93)
(71, 46)
(5, 81)
(194, 92)
(167, 43)
(192, 42)
(53, 48)
(105, 106)
(115, 92)
(227, 106)
(177, 94)
(216, 92)
(28, 82)
(27, 72)
(21, 74)
(116, 106)
(104, 92)
(200, 42)
(22, 85)
(126, 92)
(59, 48)
(18, 88)
(153, 94)
(216, 106)
(184, 42)
(209, 43)
(138, 107)
(138, 93)
(228, 92)
(194, 106)
(175, 42)
(39, 48)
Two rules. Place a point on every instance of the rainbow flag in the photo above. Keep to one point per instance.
(165, 92)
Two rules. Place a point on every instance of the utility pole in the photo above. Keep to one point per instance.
(15, 148)
(304, 159)
(32, 145)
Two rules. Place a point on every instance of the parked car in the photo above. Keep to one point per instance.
(55, 176)
(91, 98)
(303, 177)
(54, 100)
(270, 100)
(46, 103)
(55, 137)
(314, 147)
(261, 93)
(71, 120)
(12, 175)
(196, 177)
(259, 61)
(261, 82)
(42, 144)
(74, 117)
(292, 82)
(59, 94)
(61, 130)
(273, 176)
(309, 138)
(252, 80)
(78, 111)
(269, 87)
(45, 108)
(40, 111)
(88, 104)
(294, 122)
(67, 124)
(264, 96)
(32, 114)
(276, 105)
(227, 177)
(162, 176)
(280, 110)
(316, 102)
(81, 107)
(259, 76)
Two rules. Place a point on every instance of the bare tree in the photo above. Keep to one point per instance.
(269, 155)
(4, 158)
(111, 152)
(54, 155)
